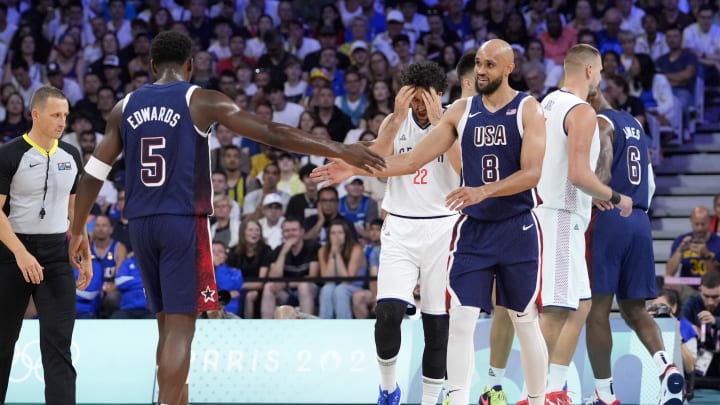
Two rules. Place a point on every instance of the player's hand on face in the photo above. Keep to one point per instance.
(402, 101)
(31, 270)
(360, 156)
(625, 205)
(433, 105)
(464, 197)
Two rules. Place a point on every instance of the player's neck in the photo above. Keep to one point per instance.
(576, 88)
(43, 141)
(168, 76)
(499, 98)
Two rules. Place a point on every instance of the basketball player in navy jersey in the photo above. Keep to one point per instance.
(501, 134)
(163, 130)
(621, 259)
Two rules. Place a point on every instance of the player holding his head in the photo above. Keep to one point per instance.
(163, 129)
(415, 232)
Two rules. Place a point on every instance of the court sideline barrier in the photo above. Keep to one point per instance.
(291, 361)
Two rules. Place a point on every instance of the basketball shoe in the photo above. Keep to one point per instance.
(672, 383)
(493, 396)
(389, 398)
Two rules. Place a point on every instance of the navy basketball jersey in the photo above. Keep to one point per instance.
(630, 157)
(167, 158)
(491, 143)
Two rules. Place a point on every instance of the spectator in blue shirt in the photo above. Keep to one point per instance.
(227, 278)
(133, 304)
(87, 302)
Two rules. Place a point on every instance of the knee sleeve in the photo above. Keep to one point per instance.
(533, 349)
(521, 317)
(388, 317)
(436, 339)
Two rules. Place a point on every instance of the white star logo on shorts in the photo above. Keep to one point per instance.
(208, 294)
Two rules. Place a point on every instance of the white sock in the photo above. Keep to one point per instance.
(661, 360)
(495, 376)
(604, 389)
(387, 374)
(557, 374)
(461, 353)
(431, 390)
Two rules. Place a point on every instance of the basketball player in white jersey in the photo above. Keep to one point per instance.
(503, 143)
(415, 234)
(567, 186)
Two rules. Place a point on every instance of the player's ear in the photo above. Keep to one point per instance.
(189, 67)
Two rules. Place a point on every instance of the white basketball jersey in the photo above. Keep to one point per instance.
(421, 194)
(555, 189)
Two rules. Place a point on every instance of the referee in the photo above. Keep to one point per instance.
(38, 176)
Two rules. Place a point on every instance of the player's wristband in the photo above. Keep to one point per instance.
(615, 197)
(97, 168)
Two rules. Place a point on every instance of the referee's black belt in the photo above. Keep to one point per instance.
(41, 237)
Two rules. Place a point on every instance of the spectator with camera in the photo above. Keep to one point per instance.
(695, 253)
(666, 305)
(704, 313)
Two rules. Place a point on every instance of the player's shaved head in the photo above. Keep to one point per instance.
(580, 56)
(498, 50)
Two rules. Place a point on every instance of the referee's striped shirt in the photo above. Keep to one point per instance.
(24, 169)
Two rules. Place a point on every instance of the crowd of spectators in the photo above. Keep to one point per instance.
(331, 68)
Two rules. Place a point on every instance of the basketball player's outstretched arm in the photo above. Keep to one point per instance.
(209, 106)
(432, 145)
(531, 158)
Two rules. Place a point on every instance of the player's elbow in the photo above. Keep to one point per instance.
(533, 176)
(577, 177)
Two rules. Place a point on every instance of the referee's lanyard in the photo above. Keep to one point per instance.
(47, 174)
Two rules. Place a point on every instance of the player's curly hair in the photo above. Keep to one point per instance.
(424, 74)
(170, 47)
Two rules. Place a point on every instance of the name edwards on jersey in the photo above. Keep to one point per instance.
(163, 114)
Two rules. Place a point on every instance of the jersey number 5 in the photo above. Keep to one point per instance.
(152, 173)
(420, 176)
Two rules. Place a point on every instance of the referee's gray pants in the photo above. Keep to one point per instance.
(55, 301)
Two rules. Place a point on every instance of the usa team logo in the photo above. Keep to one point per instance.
(64, 166)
